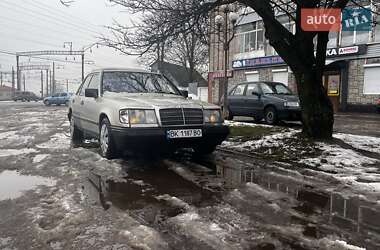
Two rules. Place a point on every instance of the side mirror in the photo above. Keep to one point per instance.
(184, 93)
(91, 93)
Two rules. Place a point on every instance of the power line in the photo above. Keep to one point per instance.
(59, 12)
(14, 20)
(53, 17)
(42, 16)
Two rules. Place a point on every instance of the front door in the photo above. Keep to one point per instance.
(332, 84)
(254, 105)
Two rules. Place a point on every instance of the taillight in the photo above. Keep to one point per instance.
(378, 102)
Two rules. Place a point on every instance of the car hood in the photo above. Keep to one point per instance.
(156, 101)
(286, 98)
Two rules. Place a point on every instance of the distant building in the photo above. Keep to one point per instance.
(179, 75)
(5, 93)
(351, 77)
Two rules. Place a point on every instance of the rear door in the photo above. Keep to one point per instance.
(254, 105)
(236, 100)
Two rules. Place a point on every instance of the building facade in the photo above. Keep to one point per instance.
(351, 78)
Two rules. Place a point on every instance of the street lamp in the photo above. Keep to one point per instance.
(222, 21)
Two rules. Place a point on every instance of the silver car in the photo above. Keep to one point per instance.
(139, 110)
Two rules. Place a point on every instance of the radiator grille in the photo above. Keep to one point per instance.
(180, 117)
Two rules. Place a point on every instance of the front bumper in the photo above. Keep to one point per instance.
(156, 138)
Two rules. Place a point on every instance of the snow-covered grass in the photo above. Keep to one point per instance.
(367, 143)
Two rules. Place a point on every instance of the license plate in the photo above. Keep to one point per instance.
(184, 133)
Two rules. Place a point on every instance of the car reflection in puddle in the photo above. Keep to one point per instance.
(351, 215)
(146, 190)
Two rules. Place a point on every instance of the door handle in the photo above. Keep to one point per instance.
(82, 103)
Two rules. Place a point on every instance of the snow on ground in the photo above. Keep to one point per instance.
(367, 143)
(245, 124)
(57, 142)
(275, 140)
(39, 158)
(14, 152)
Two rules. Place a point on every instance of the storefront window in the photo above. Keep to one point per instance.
(347, 38)
(362, 37)
(377, 29)
(332, 40)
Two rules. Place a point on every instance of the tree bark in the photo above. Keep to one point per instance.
(317, 110)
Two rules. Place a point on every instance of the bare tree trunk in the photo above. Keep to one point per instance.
(317, 110)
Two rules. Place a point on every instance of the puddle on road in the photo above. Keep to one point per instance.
(13, 184)
(343, 215)
(143, 185)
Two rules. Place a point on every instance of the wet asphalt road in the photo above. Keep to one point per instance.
(74, 199)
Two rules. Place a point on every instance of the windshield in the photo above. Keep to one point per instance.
(131, 82)
(275, 88)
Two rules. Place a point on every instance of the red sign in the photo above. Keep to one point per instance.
(329, 19)
(219, 74)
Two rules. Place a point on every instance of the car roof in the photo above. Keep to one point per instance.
(138, 70)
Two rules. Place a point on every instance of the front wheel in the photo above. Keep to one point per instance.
(75, 134)
(47, 103)
(67, 103)
(107, 145)
(271, 116)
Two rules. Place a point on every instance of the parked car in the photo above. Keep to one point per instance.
(25, 96)
(378, 106)
(58, 99)
(272, 101)
(140, 110)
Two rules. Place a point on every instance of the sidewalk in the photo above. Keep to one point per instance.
(358, 123)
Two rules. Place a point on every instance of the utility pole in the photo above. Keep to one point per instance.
(50, 84)
(54, 87)
(42, 84)
(24, 80)
(47, 82)
(67, 85)
(18, 72)
(83, 67)
(13, 81)
(1, 78)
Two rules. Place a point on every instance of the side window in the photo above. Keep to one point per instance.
(84, 85)
(239, 90)
(253, 87)
(56, 95)
(95, 81)
(64, 94)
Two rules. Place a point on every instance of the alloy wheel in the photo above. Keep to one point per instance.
(104, 139)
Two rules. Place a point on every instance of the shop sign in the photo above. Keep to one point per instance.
(220, 74)
(257, 62)
(347, 51)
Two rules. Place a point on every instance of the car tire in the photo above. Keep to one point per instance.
(67, 103)
(204, 150)
(271, 116)
(75, 134)
(106, 142)
(47, 103)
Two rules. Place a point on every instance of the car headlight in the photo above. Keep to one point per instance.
(292, 104)
(212, 116)
(138, 116)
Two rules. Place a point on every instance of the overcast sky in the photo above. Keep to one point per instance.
(27, 25)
